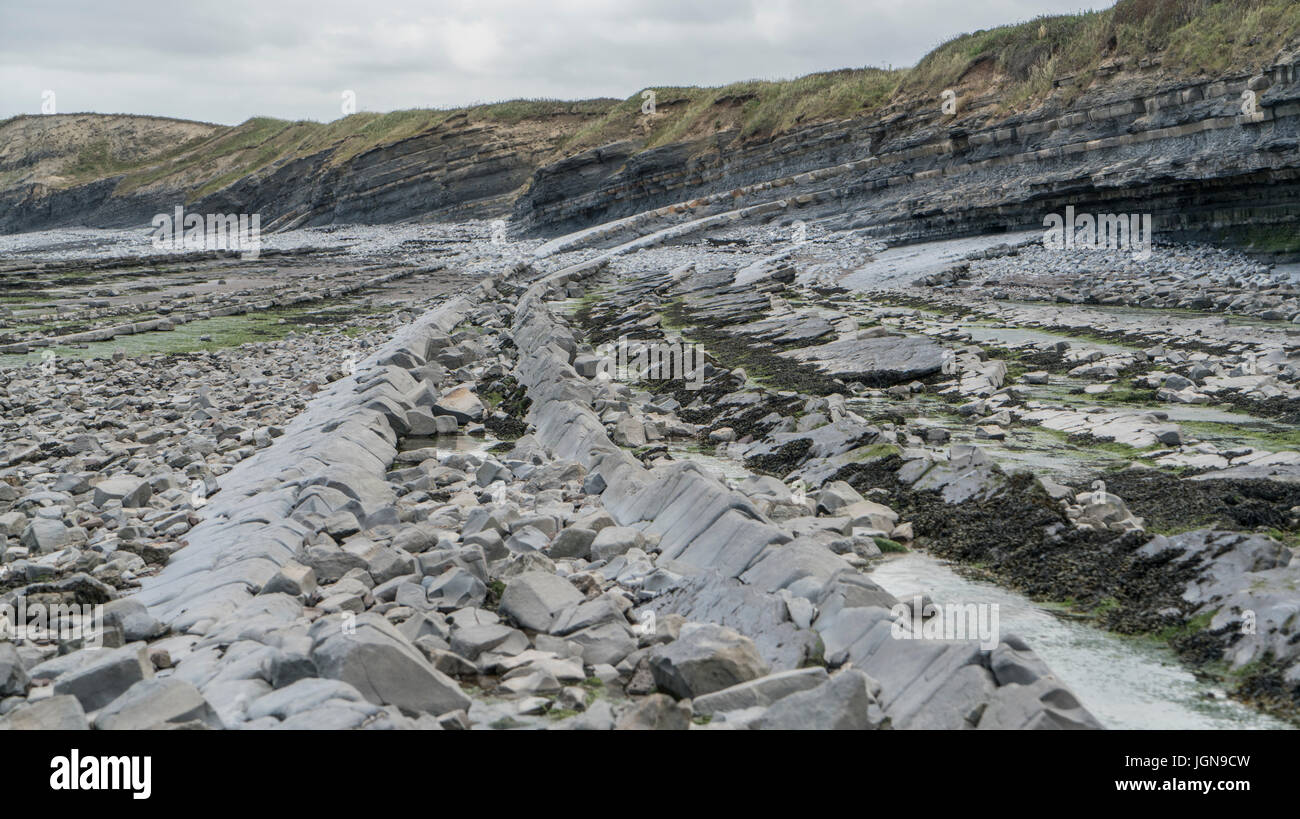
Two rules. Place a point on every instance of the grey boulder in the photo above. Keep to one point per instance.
(845, 702)
(705, 658)
(60, 713)
(134, 619)
(156, 703)
(133, 492)
(613, 541)
(375, 658)
(106, 677)
(534, 598)
(13, 675)
(656, 712)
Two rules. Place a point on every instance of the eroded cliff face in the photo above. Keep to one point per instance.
(1211, 159)
(458, 169)
(1189, 153)
(63, 169)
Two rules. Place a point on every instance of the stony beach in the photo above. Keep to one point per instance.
(433, 508)
(961, 396)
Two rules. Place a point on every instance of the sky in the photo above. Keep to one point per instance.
(294, 59)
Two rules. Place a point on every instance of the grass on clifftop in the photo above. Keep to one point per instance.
(263, 141)
(1199, 37)
(757, 108)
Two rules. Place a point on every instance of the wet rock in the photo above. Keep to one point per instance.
(133, 618)
(604, 644)
(131, 491)
(293, 579)
(456, 588)
(599, 716)
(1043, 704)
(574, 541)
(835, 496)
(44, 535)
(471, 641)
(878, 361)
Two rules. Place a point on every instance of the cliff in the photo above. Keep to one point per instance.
(1185, 111)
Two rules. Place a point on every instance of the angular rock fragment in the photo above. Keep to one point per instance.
(378, 661)
(534, 598)
(705, 658)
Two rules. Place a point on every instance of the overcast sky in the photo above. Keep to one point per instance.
(227, 60)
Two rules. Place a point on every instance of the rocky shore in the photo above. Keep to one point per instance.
(335, 581)
(454, 518)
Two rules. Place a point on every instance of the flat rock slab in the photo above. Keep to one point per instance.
(875, 361)
(155, 703)
(1283, 473)
(845, 702)
(799, 327)
(761, 692)
(59, 713)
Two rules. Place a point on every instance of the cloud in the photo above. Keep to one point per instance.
(473, 47)
(225, 62)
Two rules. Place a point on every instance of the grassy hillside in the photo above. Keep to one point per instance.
(70, 149)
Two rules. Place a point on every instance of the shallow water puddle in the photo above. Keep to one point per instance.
(220, 332)
(458, 442)
(1126, 682)
(728, 470)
